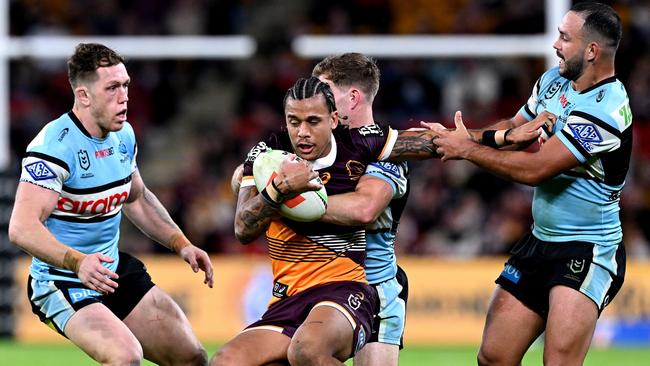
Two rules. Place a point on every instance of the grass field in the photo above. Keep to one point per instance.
(16, 354)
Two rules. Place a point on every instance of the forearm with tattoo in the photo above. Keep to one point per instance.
(414, 145)
(253, 215)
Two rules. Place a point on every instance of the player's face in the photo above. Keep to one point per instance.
(570, 47)
(310, 126)
(341, 97)
(109, 96)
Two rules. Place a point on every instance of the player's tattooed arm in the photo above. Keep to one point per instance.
(414, 144)
(253, 215)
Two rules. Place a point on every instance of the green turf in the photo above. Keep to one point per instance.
(67, 355)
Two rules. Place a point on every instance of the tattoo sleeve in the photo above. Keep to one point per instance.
(253, 215)
(416, 144)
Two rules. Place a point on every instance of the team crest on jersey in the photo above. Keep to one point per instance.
(84, 160)
(355, 169)
(552, 90)
(586, 134)
(38, 170)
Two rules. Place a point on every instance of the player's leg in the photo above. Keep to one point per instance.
(377, 353)
(510, 328)
(75, 311)
(164, 331)
(388, 326)
(570, 327)
(104, 337)
(325, 338)
(254, 346)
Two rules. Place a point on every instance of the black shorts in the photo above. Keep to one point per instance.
(536, 266)
(56, 301)
(357, 301)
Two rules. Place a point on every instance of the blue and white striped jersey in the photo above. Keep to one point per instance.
(596, 126)
(93, 179)
(381, 264)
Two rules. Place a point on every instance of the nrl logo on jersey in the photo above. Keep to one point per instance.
(84, 160)
(552, 90)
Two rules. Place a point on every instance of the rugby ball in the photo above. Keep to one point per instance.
(304, 207)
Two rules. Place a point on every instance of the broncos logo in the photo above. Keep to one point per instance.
(325, 177)
(355, 169)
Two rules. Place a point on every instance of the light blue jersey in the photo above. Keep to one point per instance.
(595, 125)
(381, 264)
(93, 179)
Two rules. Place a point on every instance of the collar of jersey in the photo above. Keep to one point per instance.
(326, 161)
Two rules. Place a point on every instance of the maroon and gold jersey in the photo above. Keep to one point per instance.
(306, 254)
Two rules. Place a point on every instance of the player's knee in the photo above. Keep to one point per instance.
(306, 353)
(127, 354)
(487, 357)
(194, 357)
(226, 356)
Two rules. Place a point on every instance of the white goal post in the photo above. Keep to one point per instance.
(242, 46)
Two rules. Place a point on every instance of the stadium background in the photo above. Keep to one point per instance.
(197, 116)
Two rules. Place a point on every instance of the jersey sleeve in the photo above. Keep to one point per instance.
(589, 132)
(545, 87)
(395, 174)
(46, 163)
(271, 143)
(377, 141)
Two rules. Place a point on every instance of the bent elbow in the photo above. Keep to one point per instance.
(367, 216)
(242, 236)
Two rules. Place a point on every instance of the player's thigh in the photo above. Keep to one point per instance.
(254, 346)
(163, 329)
(377, 353)
(327, 331)
(99, 333)
(570, 326)
(510, 328)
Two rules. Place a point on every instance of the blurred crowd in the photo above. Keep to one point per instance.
(196, 119)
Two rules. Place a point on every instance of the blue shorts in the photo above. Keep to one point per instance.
(388, 326)
(56, 301)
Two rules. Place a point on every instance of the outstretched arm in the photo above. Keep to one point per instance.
(32, 206)
(147, 213)
(519, 166)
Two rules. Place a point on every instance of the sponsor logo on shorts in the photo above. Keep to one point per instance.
(354, 300)
(280, 290)
(361, 339)
(577, 265)
(38, 170)
(78, 294)
(511, 273)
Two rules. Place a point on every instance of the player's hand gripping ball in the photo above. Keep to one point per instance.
(304, 207)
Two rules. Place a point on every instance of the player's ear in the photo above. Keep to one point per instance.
(334, 116)
(82, 95)
(355, 97)
(592, 51)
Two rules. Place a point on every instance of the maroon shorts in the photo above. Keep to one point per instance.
(356, 300)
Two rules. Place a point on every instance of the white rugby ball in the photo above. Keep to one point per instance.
(307, 206)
